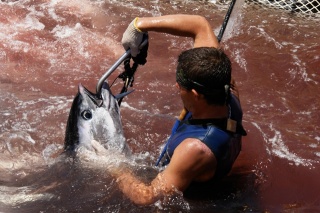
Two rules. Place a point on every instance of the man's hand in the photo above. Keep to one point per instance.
(132, 38)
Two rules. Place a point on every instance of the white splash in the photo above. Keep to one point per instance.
(20, 195)
(126, 105)
(277, 147)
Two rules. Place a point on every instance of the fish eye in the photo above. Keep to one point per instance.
(86, 114)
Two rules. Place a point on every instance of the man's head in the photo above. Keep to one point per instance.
(206, 70)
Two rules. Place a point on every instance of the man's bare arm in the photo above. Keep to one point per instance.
(192, 160)
(194, 26)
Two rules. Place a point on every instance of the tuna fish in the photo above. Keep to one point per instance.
(95, 118)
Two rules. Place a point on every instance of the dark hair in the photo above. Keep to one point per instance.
(208, 71)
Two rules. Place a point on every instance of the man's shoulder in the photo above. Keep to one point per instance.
(196, 158)
(194, 146)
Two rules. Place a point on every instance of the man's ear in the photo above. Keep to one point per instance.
(196, 94)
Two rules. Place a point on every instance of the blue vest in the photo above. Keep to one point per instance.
(224, 144)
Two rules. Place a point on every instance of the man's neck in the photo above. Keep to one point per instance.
(210, 111)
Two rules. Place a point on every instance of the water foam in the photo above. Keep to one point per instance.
(277, 147)
(65, 31)
(20, 195)
(265, 35)
(300, 70)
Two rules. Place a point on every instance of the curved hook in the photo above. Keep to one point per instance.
(115, 66)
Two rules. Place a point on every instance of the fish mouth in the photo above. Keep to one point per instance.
(94, 97)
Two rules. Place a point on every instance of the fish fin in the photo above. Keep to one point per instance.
(121, 95)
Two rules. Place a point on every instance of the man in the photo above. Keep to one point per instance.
(208, 140)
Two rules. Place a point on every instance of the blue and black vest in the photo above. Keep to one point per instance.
(225, 145)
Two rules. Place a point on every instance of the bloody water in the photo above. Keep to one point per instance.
(48, 47)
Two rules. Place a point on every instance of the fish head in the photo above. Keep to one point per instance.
(95, 117)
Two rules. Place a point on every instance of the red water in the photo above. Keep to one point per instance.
(48, 47)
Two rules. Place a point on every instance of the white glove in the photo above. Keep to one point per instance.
(132, 38)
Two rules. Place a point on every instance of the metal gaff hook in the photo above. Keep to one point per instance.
(115, 66)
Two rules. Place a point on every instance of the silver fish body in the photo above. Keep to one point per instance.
(95, 117)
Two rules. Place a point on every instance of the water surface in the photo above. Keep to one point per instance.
(48, 47)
